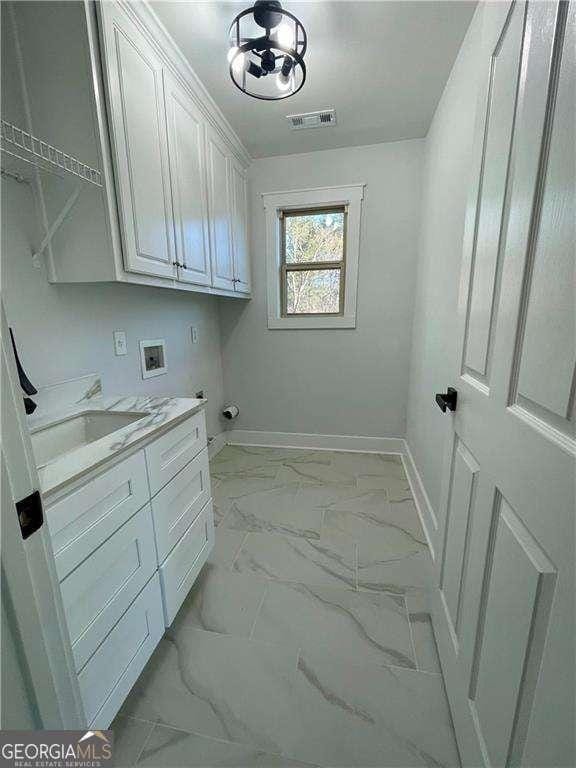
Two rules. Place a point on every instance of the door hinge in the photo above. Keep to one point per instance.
(30, 514)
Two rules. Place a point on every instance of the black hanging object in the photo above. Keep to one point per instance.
(25, 382)
(267, 64)
(29, 406)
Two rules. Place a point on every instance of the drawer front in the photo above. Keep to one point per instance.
(180, 502)
(83, 519)
(112, 671)
(179, 571)
(99, 591)
(166, 456)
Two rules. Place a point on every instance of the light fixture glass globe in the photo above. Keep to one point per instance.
(239, 63)
(284, 82)
(285, 35)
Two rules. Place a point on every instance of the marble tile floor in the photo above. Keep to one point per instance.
(307, 639)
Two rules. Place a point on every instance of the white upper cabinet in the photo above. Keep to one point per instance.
(220, 210)
(135, 96)
(186, 146)
(239, 220)
(172, 208)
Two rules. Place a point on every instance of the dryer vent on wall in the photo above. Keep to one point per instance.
(321, 119)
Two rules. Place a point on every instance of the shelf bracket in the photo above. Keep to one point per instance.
(56, 224)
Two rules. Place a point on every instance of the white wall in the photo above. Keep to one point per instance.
(445, 191)
(64, 331)
(347, 382)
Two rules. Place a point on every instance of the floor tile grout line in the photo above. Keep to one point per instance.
(300, 652)
(411, 632)
(238, 551)
(135, 717)
(145, 742)
(210, 737)
(258, 610)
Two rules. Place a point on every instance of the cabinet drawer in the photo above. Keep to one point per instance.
(166, 456)
(178, 503)
(107, 678)
(85, 518)
(178, 573)
(99, 591)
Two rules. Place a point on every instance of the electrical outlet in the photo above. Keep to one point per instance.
(200, 394)
(120, 347)
(194, 335)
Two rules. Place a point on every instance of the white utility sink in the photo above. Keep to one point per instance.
(78, 430)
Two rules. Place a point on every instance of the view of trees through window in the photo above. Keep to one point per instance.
(313, 261)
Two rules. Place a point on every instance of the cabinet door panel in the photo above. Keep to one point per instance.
(109, 675)
(98, 592)
(82, 520)
(181, 568)
(239, 189)
(170, 453)
(179, 502)
(186, 146)
(219, 199)
(134, 80)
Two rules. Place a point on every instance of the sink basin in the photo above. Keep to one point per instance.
(66, 435)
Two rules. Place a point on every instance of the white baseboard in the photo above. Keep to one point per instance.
(216, 444)
(316, 442)
(425, 510)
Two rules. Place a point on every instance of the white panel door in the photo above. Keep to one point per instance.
(134, 85)
(220, 212)
(504, 613)
(239, 192)
(186, 144)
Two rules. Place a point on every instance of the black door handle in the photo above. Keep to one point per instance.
(447, 400)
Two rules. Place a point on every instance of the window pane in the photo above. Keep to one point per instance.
(313, 291)
(314, 237)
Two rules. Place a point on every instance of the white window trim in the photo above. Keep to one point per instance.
(351, 196)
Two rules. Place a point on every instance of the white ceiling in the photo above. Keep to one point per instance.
(382, 65)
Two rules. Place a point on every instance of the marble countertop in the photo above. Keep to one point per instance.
(159, 415)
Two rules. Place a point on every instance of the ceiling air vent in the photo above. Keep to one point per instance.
(320, 119)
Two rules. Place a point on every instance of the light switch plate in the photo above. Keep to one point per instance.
(120, 347)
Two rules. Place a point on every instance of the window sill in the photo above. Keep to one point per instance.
(310, 323)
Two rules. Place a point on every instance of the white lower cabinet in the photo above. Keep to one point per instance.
(178, 573)
(179, 503)
(170, 453)
(109, 675)
(129, 544)
(83, 519)
(99, 591)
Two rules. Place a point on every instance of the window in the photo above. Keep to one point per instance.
(312, 257)
(313, 265)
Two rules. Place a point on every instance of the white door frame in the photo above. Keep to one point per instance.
(30, 583)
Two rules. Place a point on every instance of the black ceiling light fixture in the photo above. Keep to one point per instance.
(269, 65)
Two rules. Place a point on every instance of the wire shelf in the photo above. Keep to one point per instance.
(22, 145)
